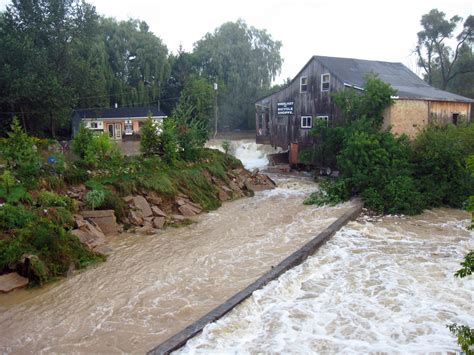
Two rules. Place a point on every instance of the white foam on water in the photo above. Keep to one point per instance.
(371, 288)
(252, 155)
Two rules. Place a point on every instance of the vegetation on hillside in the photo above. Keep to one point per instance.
(36, 215)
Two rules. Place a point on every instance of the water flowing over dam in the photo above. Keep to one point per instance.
(375, 286)
(383, 287)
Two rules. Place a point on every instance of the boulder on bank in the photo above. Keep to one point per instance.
(105, 219)
(89, 233)
(12, 281)
(142, 205)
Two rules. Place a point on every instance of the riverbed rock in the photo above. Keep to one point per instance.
(89, 234)
(105, 219)
(12, 281)
(136, 218)
(159, 222)
(223, 196)
(158, 212)
(187, 210)
(142, 205)
(154, 199)
(146, 229)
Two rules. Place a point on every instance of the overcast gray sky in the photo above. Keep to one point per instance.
(365, 29)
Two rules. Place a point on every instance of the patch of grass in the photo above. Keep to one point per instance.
(193, 182)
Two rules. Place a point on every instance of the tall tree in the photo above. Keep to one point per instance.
(441, 63)
(39, 62)
(244, 60)
(138, 61)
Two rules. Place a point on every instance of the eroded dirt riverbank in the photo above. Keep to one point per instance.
(152, 286)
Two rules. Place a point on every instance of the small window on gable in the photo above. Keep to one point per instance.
(325, 78)
(324, 119)
(306, 122)
(304, 84)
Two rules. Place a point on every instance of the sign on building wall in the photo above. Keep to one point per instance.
(285, 108)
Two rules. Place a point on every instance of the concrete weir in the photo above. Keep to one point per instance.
(296, 258)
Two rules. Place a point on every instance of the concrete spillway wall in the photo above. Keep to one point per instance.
(299, 256)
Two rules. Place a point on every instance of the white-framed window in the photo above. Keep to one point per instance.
(304, 84)
(325, 79)
(306, 122)
(94, 125)
(324, 119)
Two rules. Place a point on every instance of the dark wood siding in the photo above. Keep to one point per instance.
(284, 130)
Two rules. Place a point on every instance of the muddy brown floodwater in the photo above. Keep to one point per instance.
(153, 286)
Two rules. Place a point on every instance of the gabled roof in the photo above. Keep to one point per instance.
(353, 72)
(121, 112)
(408, 84)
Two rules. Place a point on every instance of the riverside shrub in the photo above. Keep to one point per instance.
(392, 174)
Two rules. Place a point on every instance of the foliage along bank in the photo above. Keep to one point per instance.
(37, 215)
(391, 173)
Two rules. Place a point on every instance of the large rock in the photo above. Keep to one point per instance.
(154, 199)
(158, 212)
(12, 281)
(187, 210)
(142, 205)
(105, 219)
(223, 196)
(136, 218)
(159, 222)
(89, 234)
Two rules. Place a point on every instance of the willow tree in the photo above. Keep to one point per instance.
(244, 60)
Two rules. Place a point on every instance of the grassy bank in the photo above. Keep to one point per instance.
(36, 210)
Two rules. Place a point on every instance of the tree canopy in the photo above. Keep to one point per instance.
(446, 67)
(244, 61)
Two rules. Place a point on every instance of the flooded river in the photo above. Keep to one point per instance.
(384, 286)
(153, 286)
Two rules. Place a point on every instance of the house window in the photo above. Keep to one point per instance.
(324, 119)
(303, 84)
(325, 78)
(455, 118)
(94, 125)
(306, 122)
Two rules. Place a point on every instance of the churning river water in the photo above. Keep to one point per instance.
(375, 286)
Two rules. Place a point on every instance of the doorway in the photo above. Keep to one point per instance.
(115, 130)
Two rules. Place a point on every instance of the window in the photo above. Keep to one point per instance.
(306, 122)
(94, 125)
(324, 118)
(303, 84)
(325, 78)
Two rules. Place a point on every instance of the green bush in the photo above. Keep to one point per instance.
(331, 193)
(149, 138)
(169, 141)
(11, 251)
(20, 154)
(52, 199)
(82, 141)
(439, 154)
(95, 198)
(12, 217)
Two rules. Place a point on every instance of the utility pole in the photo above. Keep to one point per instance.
(215, 109)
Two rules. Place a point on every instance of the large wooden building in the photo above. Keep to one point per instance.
(286, 117)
